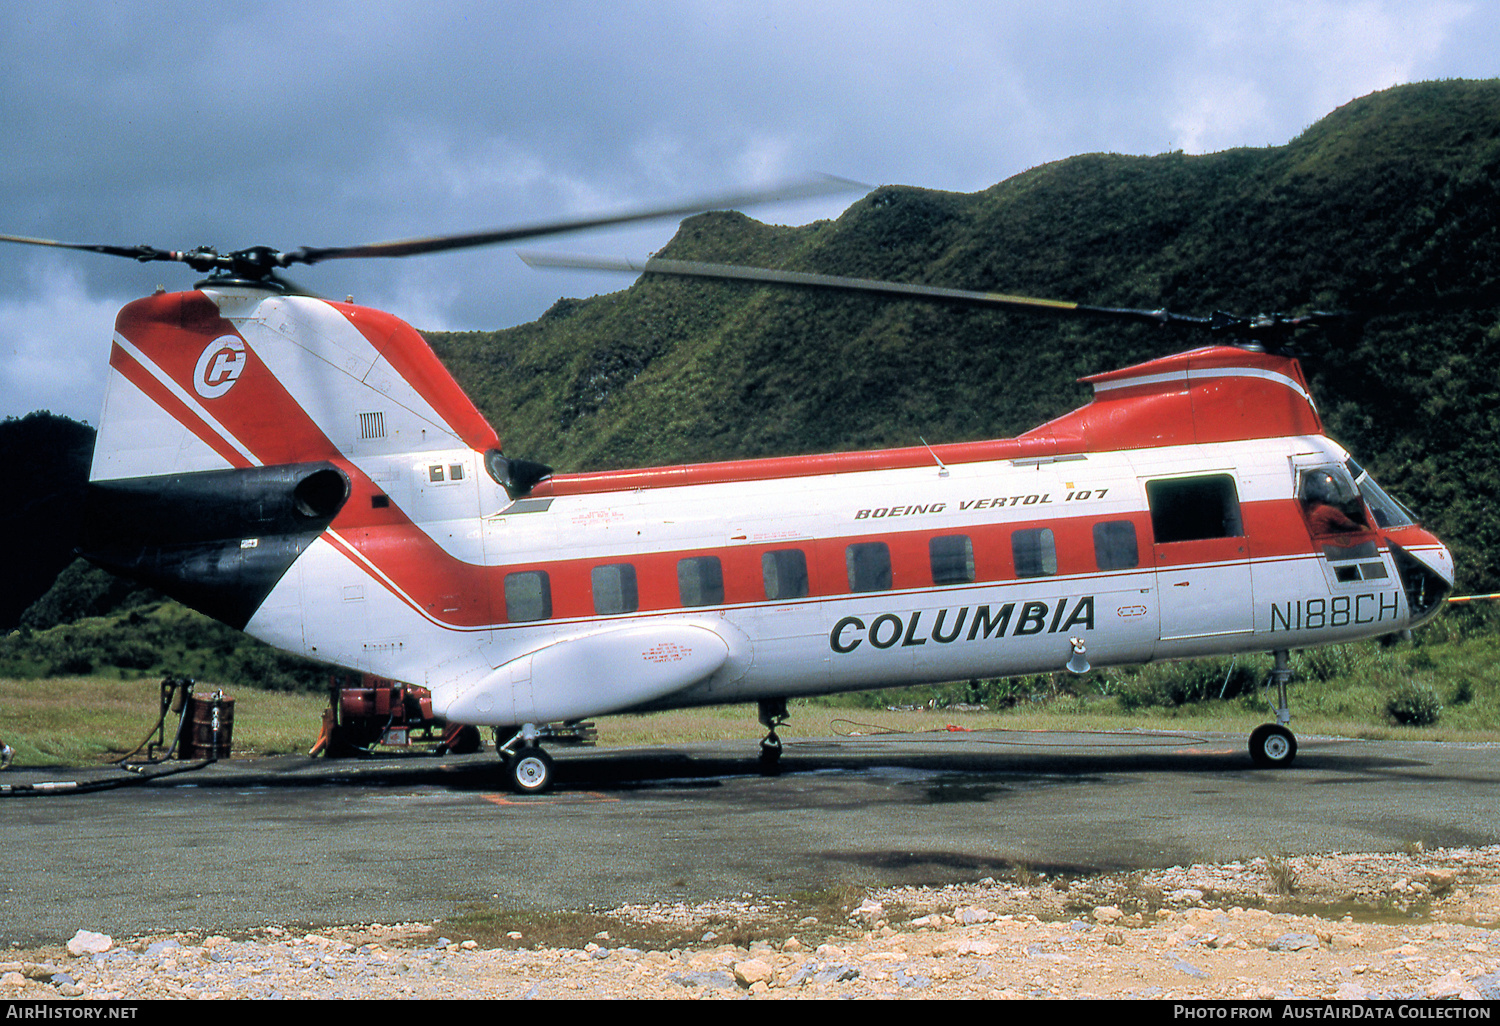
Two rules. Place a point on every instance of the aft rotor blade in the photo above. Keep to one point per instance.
(820, 186)
(698, 269)
(145, 254)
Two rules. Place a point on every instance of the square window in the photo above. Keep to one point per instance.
(1115, 546)
(952, 558)
(700, 581)
(869, 566)
(528, 596)
(455, 472)
(784, 572)
(435, 474)
(1034, 551)
(614, 589)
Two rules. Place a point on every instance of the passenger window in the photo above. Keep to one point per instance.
(435, 474)
(869, 566)
(1114, 545)
(528, 596)
(1034, 552)
(614, 589)
(1194, 508)
(784, 572)
(952, 559)
(700, 581)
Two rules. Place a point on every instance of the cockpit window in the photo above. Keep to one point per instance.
(1330, 501)
(1388, 512)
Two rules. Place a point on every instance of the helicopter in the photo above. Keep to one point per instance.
(309, 472)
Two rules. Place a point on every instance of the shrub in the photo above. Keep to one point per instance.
(1415, 704)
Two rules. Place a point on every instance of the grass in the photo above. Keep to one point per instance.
(1343, 691)
(74, 721)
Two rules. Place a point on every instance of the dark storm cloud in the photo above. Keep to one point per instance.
(292, 124)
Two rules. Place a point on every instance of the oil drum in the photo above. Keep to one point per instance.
(209, 716)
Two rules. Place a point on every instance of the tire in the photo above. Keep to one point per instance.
(1272, 746)
(530, 771)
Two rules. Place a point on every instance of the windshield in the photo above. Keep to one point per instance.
(1388, 512)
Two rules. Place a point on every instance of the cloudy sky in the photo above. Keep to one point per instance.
(332, 123)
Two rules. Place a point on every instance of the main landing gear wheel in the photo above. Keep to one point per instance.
(770, 755)
(772, 715)
(530, 770)
(1272, 746)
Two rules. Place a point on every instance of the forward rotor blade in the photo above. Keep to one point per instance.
(698, 269)
(820, 186)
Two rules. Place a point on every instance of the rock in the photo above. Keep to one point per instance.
(1294, 942)
(86, 942)
(752, 971)
(836, 974)
(1190, 969)
(910, 981)
(1107, 914)
(1453, 985)
(976, 947)
(716, 978)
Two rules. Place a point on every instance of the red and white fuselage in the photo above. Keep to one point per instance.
(309, 472)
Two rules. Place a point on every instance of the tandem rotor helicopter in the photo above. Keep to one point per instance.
(308, 471)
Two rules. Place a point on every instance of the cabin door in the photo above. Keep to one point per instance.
(1202, 557)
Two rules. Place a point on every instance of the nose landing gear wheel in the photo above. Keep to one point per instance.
(1272, 746)
(530, 770)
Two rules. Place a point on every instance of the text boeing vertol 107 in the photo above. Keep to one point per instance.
(309, 472)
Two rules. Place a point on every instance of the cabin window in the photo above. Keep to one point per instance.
(1194, 508)
(1115, 546)
(455, 472)
(869, 566)
(952, 558)
(700, 581)
(614, 589)
(784, 572)
(435, 473)
(528, 596)
(1034, 552)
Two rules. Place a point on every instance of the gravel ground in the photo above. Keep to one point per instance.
(1417, 924)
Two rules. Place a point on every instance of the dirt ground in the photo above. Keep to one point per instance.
(1406, 925)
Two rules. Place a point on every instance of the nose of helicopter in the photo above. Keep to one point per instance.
(1426, 568)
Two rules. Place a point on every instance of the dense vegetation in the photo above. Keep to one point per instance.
(46, 461)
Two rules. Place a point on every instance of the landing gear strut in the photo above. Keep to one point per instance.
(772, 715)
(1273, 745)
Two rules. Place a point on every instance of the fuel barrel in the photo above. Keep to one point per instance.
(210, 717)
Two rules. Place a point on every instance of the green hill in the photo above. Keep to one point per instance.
(47, 459)
(1386, 208)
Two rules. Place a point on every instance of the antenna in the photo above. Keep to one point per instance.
(942, 467)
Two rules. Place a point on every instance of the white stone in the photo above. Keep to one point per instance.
(86, 942)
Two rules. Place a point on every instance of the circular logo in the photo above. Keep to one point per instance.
(220, 366)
